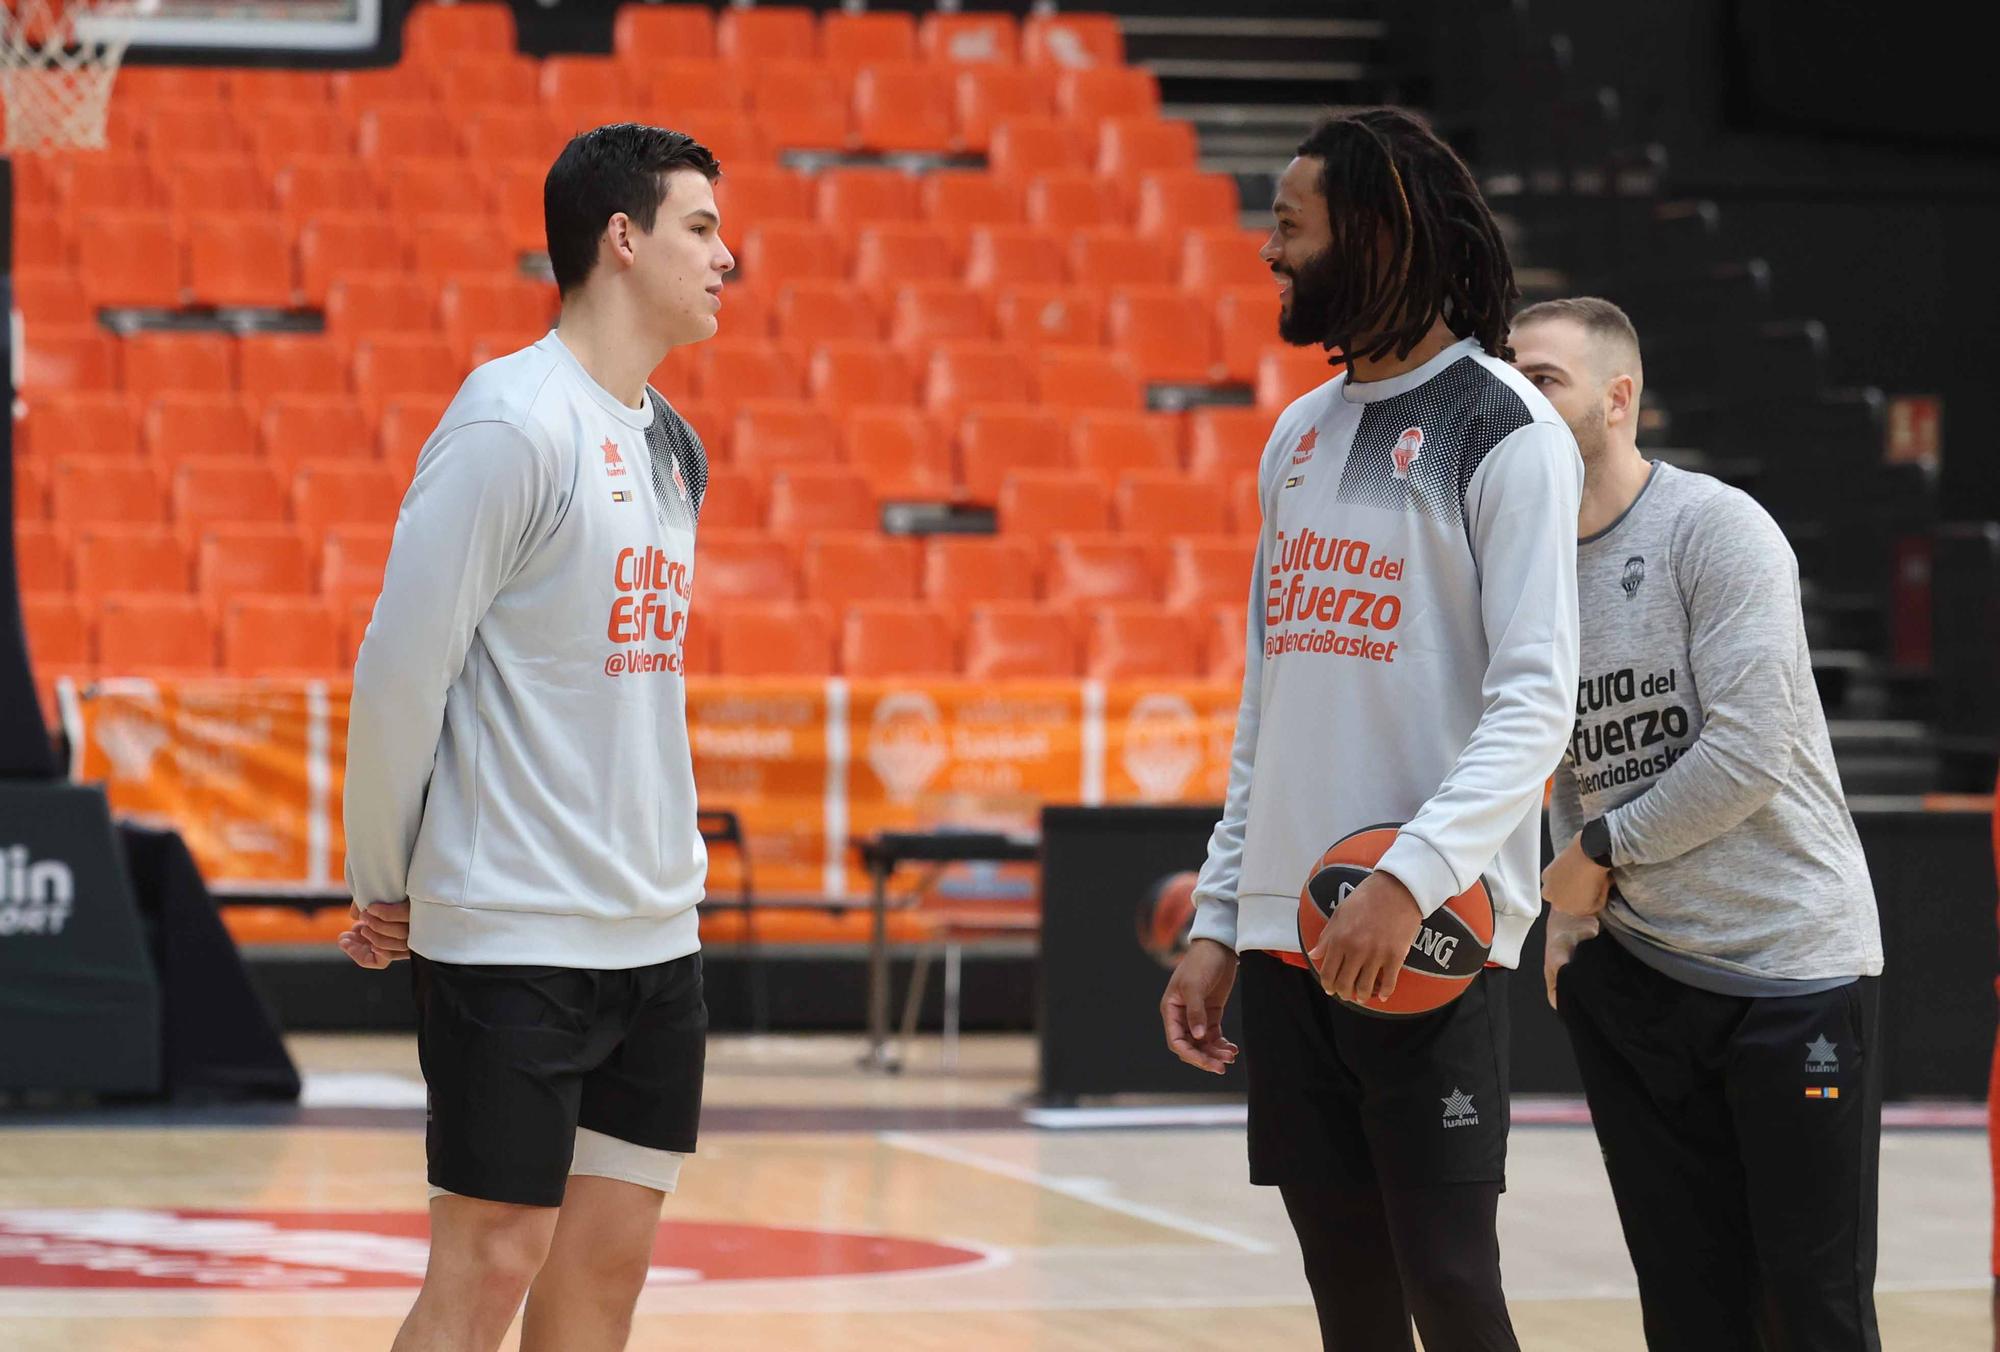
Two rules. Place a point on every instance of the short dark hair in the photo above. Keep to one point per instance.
(1382, 166)
(1598, 317)
(620, 167)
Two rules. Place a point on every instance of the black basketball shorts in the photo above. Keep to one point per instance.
(516, 1059)
(1344, 1099)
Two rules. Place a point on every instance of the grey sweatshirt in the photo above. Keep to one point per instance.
(1700, 740)
(517, 749)
(1412, 645)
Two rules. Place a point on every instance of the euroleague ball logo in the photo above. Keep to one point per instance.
(1166, 915)
(1408, 450)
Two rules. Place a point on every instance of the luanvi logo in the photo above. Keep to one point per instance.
(36, 896)
(1458, 1110)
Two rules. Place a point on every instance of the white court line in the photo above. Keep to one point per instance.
(1093, 1191)
(1162, 1115)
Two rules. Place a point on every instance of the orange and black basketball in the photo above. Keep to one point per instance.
(1450, 949)
(1166, 914)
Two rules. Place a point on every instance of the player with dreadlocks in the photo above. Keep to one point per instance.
(1430, 478)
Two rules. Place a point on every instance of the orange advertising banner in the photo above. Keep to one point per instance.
(250, 772)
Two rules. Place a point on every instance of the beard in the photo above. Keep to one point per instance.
(1592, 434)
(1308, 319)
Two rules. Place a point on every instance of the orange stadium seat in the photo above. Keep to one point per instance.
(355, 617)
(1093, 93)
(734, 500)
(1127, 643)
(711, 421)
(1130, 146)
(1111, 445)
(846, 566)
(407, 423)
(398, 132)
(747, 368)
(970, 39)
(1109, 256)
(315, 427)
(179, 425)
(646, 33)
(1224, 442)
(239, 559)
(518, 132)
(436, 33)
(856, 197)
(240, 260)
(1168, 504)
(386, 365)
(161, 84)
(963, 200)
(807, 499)
(96, 489)
(215, 184)
(788, 252)
(308, 187)
(1227, 633)
(343, 493)
(1072, 40)
(196, 362)
(31, 489)
(1171, 204)
(1001, 256)
(1246, 321)
(1073, 201)
(52, 296)
(109, 182)
(280, 134)
(400, 85)
(1026, 147)
(737, 565)
(64, 422)
(761, 195)
(250, 88)
(825, 311)
(41, 556)
(996, 440)
(349, 242)
(1044, 502)
(923, 314)
(984, 96)
(881, 37)
(42, 240)
(770, 434)
(802, 104)
(1164, 333)
(1246, 510)
(1206, 570)
(1284, 373)
(129, 559)
(746, 310)
(474, 84)
(687, 90)
(886, 254)
(226, 489)
(570, 81)
(1086, 377)
(352, 560)
(154, 635)
(69, 359)
(516, 189)
(963, 569)
(772, 640)
(1018, 640)
(766, 33)
(901, 453)
(1211, 260)
(497, 304)
(176, 127)
(909, 639)
(433, 187)
(135, 259)
(963, 374)
(1086, 568)
(844, 375)
(1065, 316)
(902, 108)
(58, 630)
(279, 636)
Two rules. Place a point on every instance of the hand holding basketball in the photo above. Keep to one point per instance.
(380, 934)
(1576, 884)
(1191, 1010)
(1361, 950)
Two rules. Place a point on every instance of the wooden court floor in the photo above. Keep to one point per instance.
(826, 1211)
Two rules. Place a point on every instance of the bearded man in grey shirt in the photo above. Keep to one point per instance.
(1714, 941)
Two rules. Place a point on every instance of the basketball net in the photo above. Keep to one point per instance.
(57, 68)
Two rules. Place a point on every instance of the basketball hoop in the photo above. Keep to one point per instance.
(58, 60)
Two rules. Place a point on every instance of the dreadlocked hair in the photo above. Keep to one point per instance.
(1382, 167)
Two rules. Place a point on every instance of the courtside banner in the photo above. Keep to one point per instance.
(250, 772)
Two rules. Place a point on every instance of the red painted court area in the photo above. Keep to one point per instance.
(152, 1250)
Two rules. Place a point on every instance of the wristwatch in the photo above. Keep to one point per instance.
(1595, 842)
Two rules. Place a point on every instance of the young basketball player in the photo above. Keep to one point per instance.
(520, 795)
(1412, 645)
(1724, 1019)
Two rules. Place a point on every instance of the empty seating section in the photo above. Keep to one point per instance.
(201, 502)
